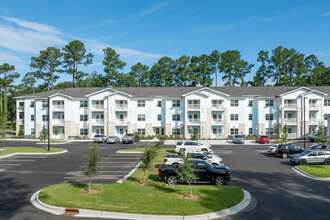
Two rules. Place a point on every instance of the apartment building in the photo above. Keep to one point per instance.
(214, 112)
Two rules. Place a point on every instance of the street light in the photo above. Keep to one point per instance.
(48, 125)
(304, 123)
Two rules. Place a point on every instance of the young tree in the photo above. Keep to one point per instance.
(56, 131)
(285, 134)
(112, 64)
(75, 55)
(187, 172)
(137, 138)
(147, 161)
(320, 133)
(47, 64)
(277, 132)
(92, 167)
(195, 134)
(43, 134)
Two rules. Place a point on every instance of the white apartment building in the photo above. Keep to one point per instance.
(214, 112)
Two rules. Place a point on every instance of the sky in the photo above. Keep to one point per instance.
(144, 31)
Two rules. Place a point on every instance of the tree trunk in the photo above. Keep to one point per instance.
(5, 99)
(52, 79)
(144, 178)
(90, 183)
(191, 195)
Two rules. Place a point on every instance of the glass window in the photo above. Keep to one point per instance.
(234, 117)
(32, 131)
(21, 104)
(142, 131)
(44, 117)
(32, 117)
(159, 103)
(44, 104)
(83, 117)
(326, 102)
(269, 117)
(83, 104)
(21, 115)
(269, 131)
(83, 131)
(269, 102)
(176, 131)
(250, 130)
(250, 103)
(176, 117)
(234, 131)
(141, 117)
(233, 103)
(32, 104)
(141, 103)
(250, 117)
(159, 117)
(175, 103)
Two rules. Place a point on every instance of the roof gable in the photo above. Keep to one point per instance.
(203, 89)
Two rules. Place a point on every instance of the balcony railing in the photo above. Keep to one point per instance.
(218, 121)
(121, 106)
(290, 120)
(98, 106)
(290, 106)
(21, 121)
(218, 106)
(314, 106)
(194, 106)
(292, 135)
(98, 121)
(218, 136)
(195, 120)
(313, 121)
(121, 121)
(59, 107)
(58, 121)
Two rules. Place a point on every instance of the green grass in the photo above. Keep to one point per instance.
(132, 150)
(316, 170)
(153, 198)
(11, 150)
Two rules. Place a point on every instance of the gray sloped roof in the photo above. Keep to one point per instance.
(140, 92)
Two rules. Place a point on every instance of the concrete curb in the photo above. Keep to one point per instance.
(129, 152)
(9, 155)
(119, 215)
(128, 175)
(309, 176)
(53, 143)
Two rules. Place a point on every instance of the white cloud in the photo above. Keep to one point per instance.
(151, 10)
(8, 58)
(327, 14)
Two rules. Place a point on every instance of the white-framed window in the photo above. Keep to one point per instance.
(32, 131)
(141, 117)
(21, 115)
(269, 117)
(233, 131)
(141, 103)
(32, 104)
(175, 103)
(176, 117)
(21, 104)
(250, 103)
(83, 104)
(159, 117)
(83, 131)
(44, 104)
(269, 131)
(326, 102)
(83, 117)
(250, 131)
(234, 117)
(142, 131)
(250, 117)
(233, 103)
(269, 102)
(176, 131)
(44, 117)
(32, 117)
(159, 103)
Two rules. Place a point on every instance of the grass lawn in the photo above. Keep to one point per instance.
(316, 170)
(153, 198)
(11, 150)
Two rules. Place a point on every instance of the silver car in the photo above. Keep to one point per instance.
(311, 157)
(238, 139)
(113, 140)
(99, 138)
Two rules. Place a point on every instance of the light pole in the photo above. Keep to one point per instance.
(304, 133)
(48, 125)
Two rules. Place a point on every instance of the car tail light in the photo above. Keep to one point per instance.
(159, 172)
(174, 146)
(279, 149)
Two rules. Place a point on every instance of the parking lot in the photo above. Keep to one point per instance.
(278, 192)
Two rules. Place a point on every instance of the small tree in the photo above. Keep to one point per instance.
(277, 132)
(320, 133)
(147, 161)
(92, 168)
(187, 172)
(56, 131)
(285, 134)
(137, 138)
(3, 127)
(195, 134)
(43, 134)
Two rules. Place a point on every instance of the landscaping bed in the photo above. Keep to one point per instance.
(154, 197)
(316, 170)
(11, 150)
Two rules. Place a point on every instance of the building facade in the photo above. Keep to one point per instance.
(211, 112)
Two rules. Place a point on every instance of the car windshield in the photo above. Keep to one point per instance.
(129, 134)
(264, 137)
(305, 153)
(111, 137)
(97, 136)
(238, 136)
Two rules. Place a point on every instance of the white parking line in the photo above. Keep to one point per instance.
(11, 165)
(117, 166)
(28, 156)
(103, 162)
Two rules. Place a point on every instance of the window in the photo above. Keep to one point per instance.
(234, 117)
(21, 104)
(32, 117)
(326, 102)
(83, 131)
(175, 103)
(157, 131)
(250, 130)
(176, 131)
(83, 117)
(32, 104)
(176, 117)
(141, 103)
(159, 117)
(269, 131)
(83, 104)
(142, 131)
(250, 117)
(269, 102)
(233, 103)
(250, 103)
(44, 104)
(269, 117)
(44, 117)
(21, 115)
(233, 131)
(159, 103)
(141, 117)
(32, 131)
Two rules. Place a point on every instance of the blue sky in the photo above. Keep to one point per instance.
(144, 31)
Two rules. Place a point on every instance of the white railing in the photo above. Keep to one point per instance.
(218, 106)
(292, 135)
(290, 106)
(290, 120)
(98, 106)
(98, 121)
(196, 120)
(60, 107)
(121, 121)
(194, 106)
(58, 121)
(21, 107)
(218, 121)
(313, 121)
(218, 136)
(21, 121)
(314, 106)
(121, 106)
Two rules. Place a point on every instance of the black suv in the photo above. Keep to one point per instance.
(285, 150)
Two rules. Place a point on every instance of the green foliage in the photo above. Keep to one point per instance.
(112, 64)
(43, 134)
(187, 172)
(195, 134)
(284, 134)
(21, 133)
(137, 137)
(162, 73)
(92, 167)
(139, 75)
(148, 157)
(163, 138)
(277, 132)
(56, 131)
(320, 134)
(182, 71)
(159, 144)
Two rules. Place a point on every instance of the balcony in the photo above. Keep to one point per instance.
(313, 121)
(290, 106)
(98, 121)
(218, 136)
(21, 121)
(292, 135)
(218, 121)
(194, 121)
(193, 106)
(121, 106)
(314, 106)
(58, 121)
(121, 121)
(20, 108)
(218, 106)
(98, 107)
(58, 107)
(291, 121)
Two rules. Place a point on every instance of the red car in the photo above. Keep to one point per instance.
(262, 139)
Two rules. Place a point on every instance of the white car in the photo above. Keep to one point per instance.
(191, 146)
(210, 158)
(272, 149)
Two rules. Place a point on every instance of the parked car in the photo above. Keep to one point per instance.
(320, 147)
(128, 138)
(113, 140)
(191, 146)
(99, 138)
(273, 149)
(312, 137)
(311, 157)
(262, 139)
(176, 160)
(206, 173)
(238, 139)
(285, 150)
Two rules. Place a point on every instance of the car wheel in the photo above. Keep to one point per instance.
(219, 181)
(214, 164)
(285, 155)
(172, 180)
(267, 142)
(182, 151)
(175, 164)
(302, 162)
(327, 162)
(204, 149)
